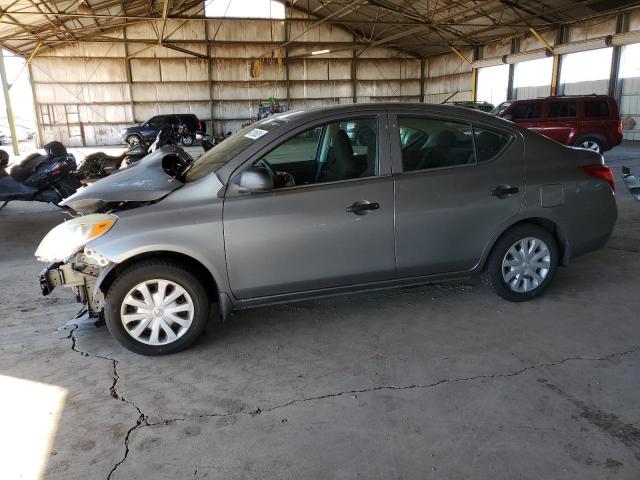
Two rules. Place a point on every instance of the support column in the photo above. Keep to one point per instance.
(7, 102)
(209, 80)
(422, 65)
(36, 108)
(515, 48)
(557, 63)
(615, 83)
(474, 75)
(127, 67)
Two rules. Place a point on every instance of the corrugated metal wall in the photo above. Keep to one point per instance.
(86, 93)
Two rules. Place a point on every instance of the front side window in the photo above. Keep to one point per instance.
(596, 108)
(562, 109)
(525, 111)
(341, 150)
(432, 143)
(230, 148)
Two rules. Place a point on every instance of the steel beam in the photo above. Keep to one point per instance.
(7, 102)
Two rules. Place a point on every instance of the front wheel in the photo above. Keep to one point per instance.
(156, 307)
(522, 263)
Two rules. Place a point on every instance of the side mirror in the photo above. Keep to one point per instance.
(509, 117)
(256, 180)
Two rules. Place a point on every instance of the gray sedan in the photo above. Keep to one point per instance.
(326, 201)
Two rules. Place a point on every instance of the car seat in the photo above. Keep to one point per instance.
(340, 167)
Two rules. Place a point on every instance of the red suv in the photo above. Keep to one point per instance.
(589, 121)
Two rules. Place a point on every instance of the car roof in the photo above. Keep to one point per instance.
(373, 107)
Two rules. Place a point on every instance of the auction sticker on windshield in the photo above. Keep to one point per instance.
(256, 133)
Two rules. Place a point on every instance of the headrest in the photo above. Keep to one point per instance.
(446, 138)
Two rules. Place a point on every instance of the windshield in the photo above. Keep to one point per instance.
(229, 148)
(499, 110)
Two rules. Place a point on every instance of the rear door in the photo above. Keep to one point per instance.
(329, 221)
(599, 119)
(456, 184)
(527, 114)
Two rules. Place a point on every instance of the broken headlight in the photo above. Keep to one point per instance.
(69, 237)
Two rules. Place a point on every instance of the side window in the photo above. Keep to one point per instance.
(159, 121)
(341, 150)
(562, 109)
(431, 143)
(489, 143)
(523, 111)
(596, 108)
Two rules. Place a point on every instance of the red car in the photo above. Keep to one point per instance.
(589, 121)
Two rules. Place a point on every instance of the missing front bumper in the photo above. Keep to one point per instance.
(81, 278)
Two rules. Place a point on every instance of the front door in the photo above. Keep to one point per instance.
(327, 223)
(456, 184)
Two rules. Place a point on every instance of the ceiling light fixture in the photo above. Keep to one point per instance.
(320, 52)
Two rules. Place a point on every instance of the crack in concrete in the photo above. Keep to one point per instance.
(143, 420)
(113, 391)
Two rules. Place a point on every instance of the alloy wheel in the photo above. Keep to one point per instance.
(157, 312)
(526, 264)
(590, 145)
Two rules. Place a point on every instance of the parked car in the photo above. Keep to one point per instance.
(148, 130)
(592, 121)
(287, 209)
(482, 106)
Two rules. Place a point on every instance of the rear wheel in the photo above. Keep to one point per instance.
(187, 140)
(522, 263)
(590, 143)
(133, 140)
(156, 307)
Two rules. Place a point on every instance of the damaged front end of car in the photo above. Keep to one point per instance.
(71, 261)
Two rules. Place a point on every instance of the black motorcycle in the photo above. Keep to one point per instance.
(45, 178)
(99, 164)
(208, 142)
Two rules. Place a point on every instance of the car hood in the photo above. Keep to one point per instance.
(144, 181)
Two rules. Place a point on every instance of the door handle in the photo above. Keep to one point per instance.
(504, 191)
(362, 206)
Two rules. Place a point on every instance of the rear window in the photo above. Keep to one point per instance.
(596, 108)
(562, 109)
(489, 144)
(522, 111)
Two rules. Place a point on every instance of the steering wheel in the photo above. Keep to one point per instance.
(280, 179)
(268, 167)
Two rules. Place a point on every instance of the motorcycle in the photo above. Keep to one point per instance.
(99, 164)
(45, 178)
(208, 142)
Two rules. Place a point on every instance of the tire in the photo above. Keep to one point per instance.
(133, 140)
(187, 140)
(590, 143)
(176, 280)
(528, 282)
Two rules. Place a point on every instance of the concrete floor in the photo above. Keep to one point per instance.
(443, 381)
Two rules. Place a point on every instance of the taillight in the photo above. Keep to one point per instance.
(600, 171)
(620, 126)
(57, 167)
(201, 125)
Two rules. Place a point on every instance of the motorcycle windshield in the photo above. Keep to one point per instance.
(144, 181)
